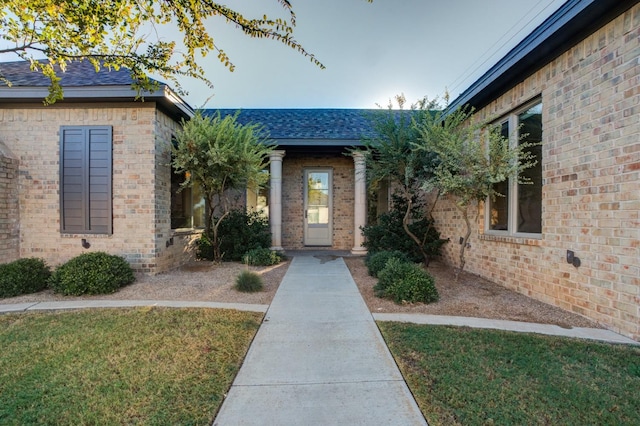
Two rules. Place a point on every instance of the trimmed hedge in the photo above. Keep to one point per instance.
(92, 273)
(378, 260)
(405, 282)
(23, 276)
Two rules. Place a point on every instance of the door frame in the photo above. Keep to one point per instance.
(306, 171)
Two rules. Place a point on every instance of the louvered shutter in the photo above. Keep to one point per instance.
(86, 175)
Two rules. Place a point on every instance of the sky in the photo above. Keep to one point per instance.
(372, 52)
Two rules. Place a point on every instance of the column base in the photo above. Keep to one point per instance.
(359, 251)
(279, 249)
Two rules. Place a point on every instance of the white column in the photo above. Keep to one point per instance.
(360, 203)
(275, 200)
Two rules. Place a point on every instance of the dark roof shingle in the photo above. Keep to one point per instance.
(307, 124)
(77, 74)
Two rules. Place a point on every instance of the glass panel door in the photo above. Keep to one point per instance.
(318, 227)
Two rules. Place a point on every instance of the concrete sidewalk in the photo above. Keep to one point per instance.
(318, 358)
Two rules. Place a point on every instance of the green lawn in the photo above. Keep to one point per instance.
(135, 366)
(478, 377)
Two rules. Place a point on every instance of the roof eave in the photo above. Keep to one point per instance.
(164, 96)
(573, 21)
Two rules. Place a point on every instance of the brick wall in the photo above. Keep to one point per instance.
(172, 248)
(293, 199)
(9, 211)
(139, 220)
(591, 185)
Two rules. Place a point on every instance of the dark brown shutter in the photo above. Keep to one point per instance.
(86, 175)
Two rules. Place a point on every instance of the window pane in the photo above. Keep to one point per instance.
(198, 209)
(499, 208)
(188, 208)
(318, 198)
(529, 217)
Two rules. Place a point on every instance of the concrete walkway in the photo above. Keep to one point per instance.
(318, 358)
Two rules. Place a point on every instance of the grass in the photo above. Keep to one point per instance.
(463, 376)
(134, 366)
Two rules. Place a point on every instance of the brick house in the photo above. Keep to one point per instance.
(92, 172)
(574, 85)
(317, 192)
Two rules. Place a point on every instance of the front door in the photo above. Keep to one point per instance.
(318, 228)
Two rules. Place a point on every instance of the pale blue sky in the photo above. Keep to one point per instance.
(372, 51)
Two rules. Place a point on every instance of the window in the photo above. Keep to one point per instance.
(85, 179)
(188, 207)
(520, 210)
(258, 199)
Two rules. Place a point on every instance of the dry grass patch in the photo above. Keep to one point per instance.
(142, 366)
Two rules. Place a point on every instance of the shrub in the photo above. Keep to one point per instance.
(238, 233)
(204, 248)
(388, 234)
(405, 282)
(378, 260)
(92, 273)
(249, 282)
(261, 257)
(23, 276)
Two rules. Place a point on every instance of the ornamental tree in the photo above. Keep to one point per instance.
(390, 156)
(220, 155)
(126, 33)
(473, 157)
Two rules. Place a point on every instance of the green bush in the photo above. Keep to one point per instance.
(405, 282)
(249, 282)
(23, 276)
(238, 233)
(261, 257)
(388, 234)
(204, 248)
(378, 260)
(92, 273)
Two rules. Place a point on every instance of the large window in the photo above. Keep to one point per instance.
(519, 211)
(188, 207)
(85, 179)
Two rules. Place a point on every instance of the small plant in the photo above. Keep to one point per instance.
(378, 260)
(261, 257)
(405, 282)
(23, 276)
(92, 273)
(249, 282)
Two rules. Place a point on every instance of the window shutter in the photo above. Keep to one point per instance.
(86, 175)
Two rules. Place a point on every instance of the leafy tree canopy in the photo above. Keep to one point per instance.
(391, 156)
(472, 156)
(220, 155)
(125, 33)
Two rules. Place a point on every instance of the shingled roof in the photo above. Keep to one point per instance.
(292, 124)
(77, 74)
(81, 83)
(319, 130)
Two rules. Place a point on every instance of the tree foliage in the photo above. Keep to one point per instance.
(126, 33)
(220, 155)
(472, 157)
(390, 156)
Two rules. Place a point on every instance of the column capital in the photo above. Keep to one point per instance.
(276, 155)
(358, 156)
